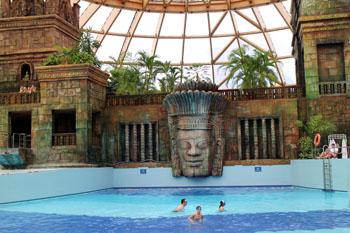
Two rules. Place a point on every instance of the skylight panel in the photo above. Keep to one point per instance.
(197, 24)
(196, 51)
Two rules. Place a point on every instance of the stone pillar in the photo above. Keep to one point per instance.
(134, 143)
(143, 140)
(150, 141)
(246, 138)
(156, 143)
(264, 141)
(127, 144)
(273, 138)
(281, 150)
(239, 136)
(256, 143)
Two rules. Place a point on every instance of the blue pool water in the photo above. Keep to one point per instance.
(278, 209)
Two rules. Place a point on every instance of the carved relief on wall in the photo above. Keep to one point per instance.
(20, 8)
(196, 120)
(27, 8)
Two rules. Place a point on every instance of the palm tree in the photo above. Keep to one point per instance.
(125, 79)
(197, 72)
(171, 76)
(251, 71)
(150, 68)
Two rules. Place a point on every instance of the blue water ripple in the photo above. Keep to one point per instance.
(12, 221)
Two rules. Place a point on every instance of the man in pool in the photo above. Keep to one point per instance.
(196, 216)
(182, 206)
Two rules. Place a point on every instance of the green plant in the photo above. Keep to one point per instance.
(309, 129)
(150, 67)
(171, 75)
(315, 125)
(82, 52)
(251, 71)
(306, 147)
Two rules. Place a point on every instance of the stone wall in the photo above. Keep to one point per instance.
(284, 109)
(74, 87)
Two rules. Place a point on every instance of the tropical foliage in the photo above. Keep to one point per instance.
(251, 71)
(309, 129)
(146, 74)
(82, 52)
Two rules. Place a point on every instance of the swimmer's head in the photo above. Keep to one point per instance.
(222, 203)
(184, 201)
(198, 208)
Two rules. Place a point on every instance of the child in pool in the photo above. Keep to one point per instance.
(222, 204)
(196, 216)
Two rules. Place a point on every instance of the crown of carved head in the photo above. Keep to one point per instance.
(194, 103)
(196, 85)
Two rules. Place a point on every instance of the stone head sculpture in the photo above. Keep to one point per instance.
(196, 117)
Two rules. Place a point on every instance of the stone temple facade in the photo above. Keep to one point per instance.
(67, 119)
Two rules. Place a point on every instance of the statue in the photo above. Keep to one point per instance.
(196, 120)
(4, 8)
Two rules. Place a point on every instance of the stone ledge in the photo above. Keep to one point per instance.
(72, 72)
(62, 165)
(226, 163)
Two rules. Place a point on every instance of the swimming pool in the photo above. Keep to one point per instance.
(251, 209)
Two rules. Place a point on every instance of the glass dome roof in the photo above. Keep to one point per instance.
(189, 32)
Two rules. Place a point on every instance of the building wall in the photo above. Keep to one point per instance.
(284, 109)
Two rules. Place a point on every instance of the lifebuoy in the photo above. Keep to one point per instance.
(317, 139)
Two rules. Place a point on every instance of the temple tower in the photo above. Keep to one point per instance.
(322, 52)
(29, 31)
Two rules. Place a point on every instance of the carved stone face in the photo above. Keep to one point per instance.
(194, 148)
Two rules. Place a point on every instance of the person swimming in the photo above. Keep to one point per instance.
(196, 216)
(182, 206)
(222, 204)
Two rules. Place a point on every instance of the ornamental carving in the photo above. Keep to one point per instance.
(196, 120)
(20, 8)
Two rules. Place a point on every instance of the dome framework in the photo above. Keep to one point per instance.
(228, 9)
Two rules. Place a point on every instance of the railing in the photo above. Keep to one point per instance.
(19, 98)
(147, 99)
(20, 140)
(63, 139)
(332, 88)
(286, 92)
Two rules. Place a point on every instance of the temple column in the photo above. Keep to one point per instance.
(239, 136)
(143, 139)
(134, 143)
(156, 144)
(256, 143)
(273, 138)
(127, 143)
(150, 141)
(281, 149)
(264, 142)
(246, 138)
